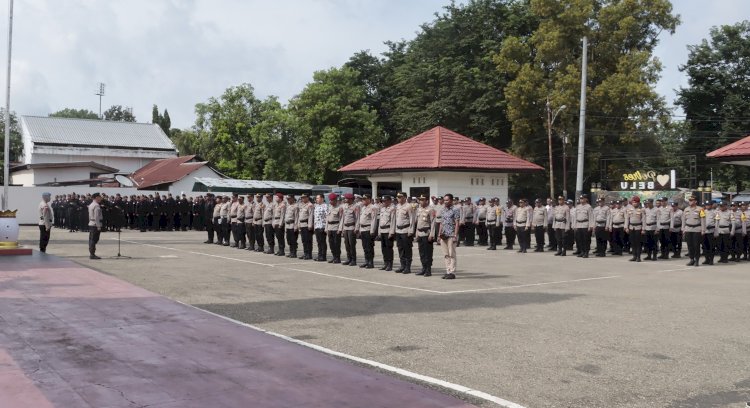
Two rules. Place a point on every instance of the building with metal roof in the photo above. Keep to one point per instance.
(176, 174)
(440, 161)
(208, 184)
(127, 146)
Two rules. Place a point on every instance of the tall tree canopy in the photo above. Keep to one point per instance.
(74, 113)
(337, 126)
(622, 72)
(118, 114)
(223, 126)
(164, 122)
(717, 100)
(16, 143)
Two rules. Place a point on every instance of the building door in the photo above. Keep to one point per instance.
(417, 191)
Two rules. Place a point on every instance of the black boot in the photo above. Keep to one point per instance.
(422, 272)
(385, 265)
(370, 264)
(389, 266)
(401, 267)
(407, 270)
(428, 272)
(353, 262)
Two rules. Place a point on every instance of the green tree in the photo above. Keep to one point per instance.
(223, 126)
(155, 115)
(276, 134)
(186, 141)
(166, 122)
(336, 125)
(117, 113)
(162, 120)
(74, 113)
(622, 72)
(16, 143)
(717, 100)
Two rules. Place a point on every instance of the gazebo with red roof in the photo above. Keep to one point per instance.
(441, 161)
(734, 153)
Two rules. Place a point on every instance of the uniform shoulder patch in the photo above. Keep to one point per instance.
(702, 214)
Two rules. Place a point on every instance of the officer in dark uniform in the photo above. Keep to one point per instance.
(183, 207)
(208, 215)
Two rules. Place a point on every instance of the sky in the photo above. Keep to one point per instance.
(176, 53)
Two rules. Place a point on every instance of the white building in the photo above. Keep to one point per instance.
(125, 146)
(42, 174)
(440, 161)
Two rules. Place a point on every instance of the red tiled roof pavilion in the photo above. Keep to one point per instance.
(737, 150)
(440, 149)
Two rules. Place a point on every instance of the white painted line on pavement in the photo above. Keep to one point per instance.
(284, 267)
(364, 281)
(430, 380)
(530, 284)
(675, 270)
(198, 253)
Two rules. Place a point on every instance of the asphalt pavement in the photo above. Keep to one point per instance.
(534, 329)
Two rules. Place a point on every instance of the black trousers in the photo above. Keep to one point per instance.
(403, 242)
(724, 245)
(236, 232)
(350, 244)
(709, 246)
(241, 233)
(693, 241)
(307, 241)
(334, 241)
(470, 233)
(617, 235)
(583, 240)
(560, 239)
(184, 220)
(270, 235)
(495, 235)
(279, 232)
(94, 233)
(320, 239)
(225, 228)
(601, 240)
(258, 229)
(386, 247)
(209, 230)
(291, 240)
(482, 232)
(651, 240)
(368, 245)
(664, 242)
(143, 222)
(635, 242)
(569, 239)
(250, 235)
(551, 237)
(425, 251)
(522, 239)
(735, 244)
(675, 241)
(44, 234)
(510, 235)
(539, 236)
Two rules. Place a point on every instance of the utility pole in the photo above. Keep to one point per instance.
(565, 165)
(100, 93)
(551, 120)
(582, 120)
(6, 151)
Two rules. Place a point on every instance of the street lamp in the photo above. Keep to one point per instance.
(551, 116)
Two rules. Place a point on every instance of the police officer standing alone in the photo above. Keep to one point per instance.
(95, 224)
(45, 221)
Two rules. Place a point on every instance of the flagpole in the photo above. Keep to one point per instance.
(6, 157)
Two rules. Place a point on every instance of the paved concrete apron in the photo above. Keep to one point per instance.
(73, 337)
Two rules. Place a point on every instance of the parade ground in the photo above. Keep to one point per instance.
(515, 330)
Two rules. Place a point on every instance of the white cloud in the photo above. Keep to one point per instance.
(176, 53)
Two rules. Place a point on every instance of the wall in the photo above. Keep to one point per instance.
(22, 177)
(123, 164)
(26, 199)
(187, 182)
(462, 184)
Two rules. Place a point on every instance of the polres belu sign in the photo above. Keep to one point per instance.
(648, 180)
